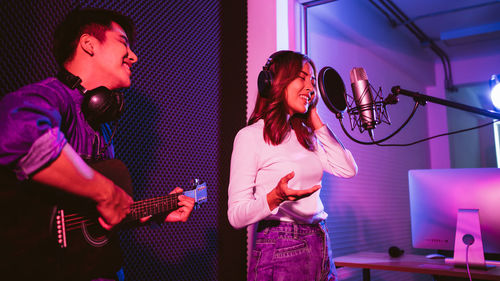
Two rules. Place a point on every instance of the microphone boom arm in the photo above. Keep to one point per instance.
(420, 98)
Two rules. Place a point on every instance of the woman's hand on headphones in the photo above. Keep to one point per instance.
(313, 118)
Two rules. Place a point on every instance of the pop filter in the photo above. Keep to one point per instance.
(332, 90)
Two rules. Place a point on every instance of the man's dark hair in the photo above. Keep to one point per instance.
(91, 21)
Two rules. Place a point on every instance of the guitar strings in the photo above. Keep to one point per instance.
(143, 208)
(74, 221)
(139, 209)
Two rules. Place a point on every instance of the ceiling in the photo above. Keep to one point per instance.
(459, 28)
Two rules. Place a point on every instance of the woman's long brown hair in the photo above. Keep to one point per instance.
(285, 67)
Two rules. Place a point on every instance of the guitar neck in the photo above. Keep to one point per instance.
(153, 206)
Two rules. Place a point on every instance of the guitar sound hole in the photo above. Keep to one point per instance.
(95, 235)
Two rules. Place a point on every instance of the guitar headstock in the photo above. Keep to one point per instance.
(195, 183)
(198, 192)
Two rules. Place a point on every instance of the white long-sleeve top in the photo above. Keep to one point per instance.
(257, 167)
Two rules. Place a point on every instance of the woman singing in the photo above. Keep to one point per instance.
(276, 169)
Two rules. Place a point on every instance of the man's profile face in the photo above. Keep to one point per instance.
(114, 58)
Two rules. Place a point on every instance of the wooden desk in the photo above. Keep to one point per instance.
(411, 263)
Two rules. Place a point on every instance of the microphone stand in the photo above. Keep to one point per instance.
(422, 99)
(339, 116)
(380, 107)
(419, 99)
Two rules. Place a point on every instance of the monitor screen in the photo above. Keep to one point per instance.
(437, 194)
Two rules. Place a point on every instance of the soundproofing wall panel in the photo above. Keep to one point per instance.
(185, 105)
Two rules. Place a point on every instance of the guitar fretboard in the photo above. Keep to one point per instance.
(153, 206)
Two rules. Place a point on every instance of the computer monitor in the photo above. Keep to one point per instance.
(437, 195)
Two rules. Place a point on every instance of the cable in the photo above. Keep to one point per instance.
(467, 261)
(436, 136)
(386, 138)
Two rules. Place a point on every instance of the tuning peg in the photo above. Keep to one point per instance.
(195, 182)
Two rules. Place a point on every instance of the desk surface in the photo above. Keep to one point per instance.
(413, 263)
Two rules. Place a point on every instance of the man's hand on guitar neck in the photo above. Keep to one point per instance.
(186, 206)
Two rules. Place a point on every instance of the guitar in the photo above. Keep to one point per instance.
(84, 222)
(45, 233)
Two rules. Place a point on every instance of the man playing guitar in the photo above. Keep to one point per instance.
(49, 135)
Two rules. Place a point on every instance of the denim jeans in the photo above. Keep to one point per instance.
(290, 251)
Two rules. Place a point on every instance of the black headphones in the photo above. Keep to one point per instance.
(100, 105)
(265, 79)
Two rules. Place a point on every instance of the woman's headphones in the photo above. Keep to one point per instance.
(265, 79)
(100, 105)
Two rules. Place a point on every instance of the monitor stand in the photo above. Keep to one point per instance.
(468, 234)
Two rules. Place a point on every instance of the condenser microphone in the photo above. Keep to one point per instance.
(363, 98)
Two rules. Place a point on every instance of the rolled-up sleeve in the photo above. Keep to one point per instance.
(31, 137)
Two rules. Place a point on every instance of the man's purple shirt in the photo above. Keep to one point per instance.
(36, 122)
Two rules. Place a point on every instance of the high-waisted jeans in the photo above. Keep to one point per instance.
(290, 251)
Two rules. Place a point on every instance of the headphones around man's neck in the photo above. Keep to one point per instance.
(99, 105)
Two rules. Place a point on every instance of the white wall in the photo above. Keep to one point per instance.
(263, 39)
(475, 69)
(261, 43)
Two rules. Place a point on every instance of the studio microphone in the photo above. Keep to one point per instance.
(363, 98)
(366, 110)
